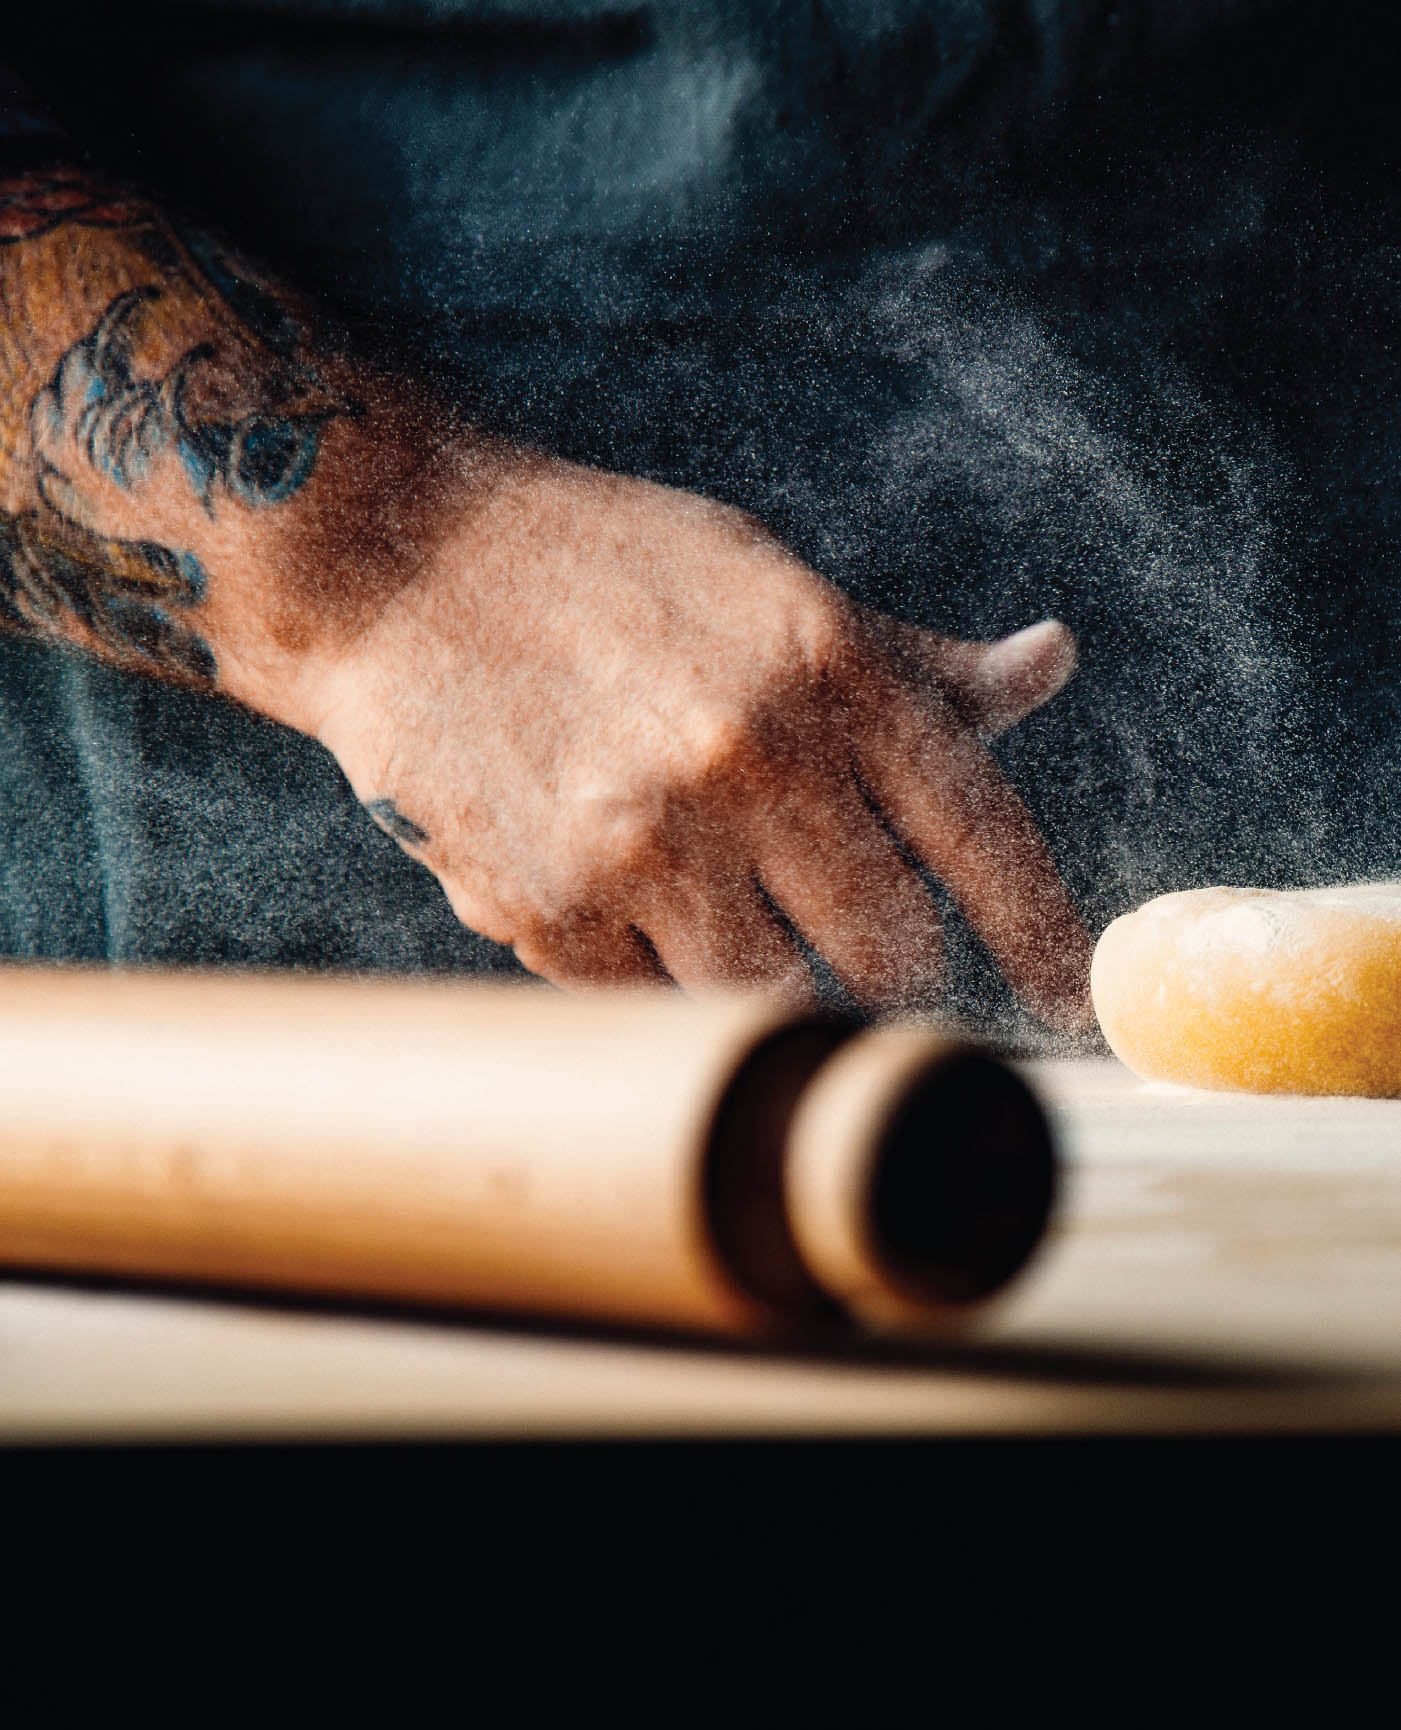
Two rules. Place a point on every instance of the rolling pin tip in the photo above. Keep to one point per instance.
(920, 1176)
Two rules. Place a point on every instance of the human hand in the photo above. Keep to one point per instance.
(631, 734)
(635, 738)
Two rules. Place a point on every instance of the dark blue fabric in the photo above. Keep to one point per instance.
(992, 309)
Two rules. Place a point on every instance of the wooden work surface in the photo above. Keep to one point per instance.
(1223, 1264)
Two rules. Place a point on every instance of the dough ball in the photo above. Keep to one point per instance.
(1256, 989)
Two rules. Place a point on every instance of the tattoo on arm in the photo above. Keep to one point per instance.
(393, 821)
(184, 372)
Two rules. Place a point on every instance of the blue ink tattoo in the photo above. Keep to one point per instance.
(393, 821)
(243, 413)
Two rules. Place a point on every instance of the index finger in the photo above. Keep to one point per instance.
(942, 792)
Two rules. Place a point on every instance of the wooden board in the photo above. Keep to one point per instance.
(1223, 1265)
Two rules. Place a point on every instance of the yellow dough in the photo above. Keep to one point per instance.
(1257, 989)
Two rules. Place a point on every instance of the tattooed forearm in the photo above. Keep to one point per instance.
(393, 821)
(147, 374)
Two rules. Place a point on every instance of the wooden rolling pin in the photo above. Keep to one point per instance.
(643, 1159)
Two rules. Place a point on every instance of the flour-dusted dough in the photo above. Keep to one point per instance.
(1257, 989)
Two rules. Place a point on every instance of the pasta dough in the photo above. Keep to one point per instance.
(1270, 991)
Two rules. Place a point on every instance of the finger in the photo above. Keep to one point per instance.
(947, 798)
(715, 934)
(838, 876)
(1017, 675)
(991, 686)
(577, 952)
(478, 910)
(584, 952)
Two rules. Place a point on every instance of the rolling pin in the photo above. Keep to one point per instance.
(641, 1159)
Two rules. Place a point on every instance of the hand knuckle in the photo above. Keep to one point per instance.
(826, 637)
(719, 741)
(614, 842)
(532, 929)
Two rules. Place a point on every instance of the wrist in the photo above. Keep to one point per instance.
(293, 590)
(278, 591)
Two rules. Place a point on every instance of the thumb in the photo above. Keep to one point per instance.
(991, 686)
(1003, 682)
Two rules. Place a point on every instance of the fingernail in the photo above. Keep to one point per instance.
(1043, 628)
(1049, 641)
